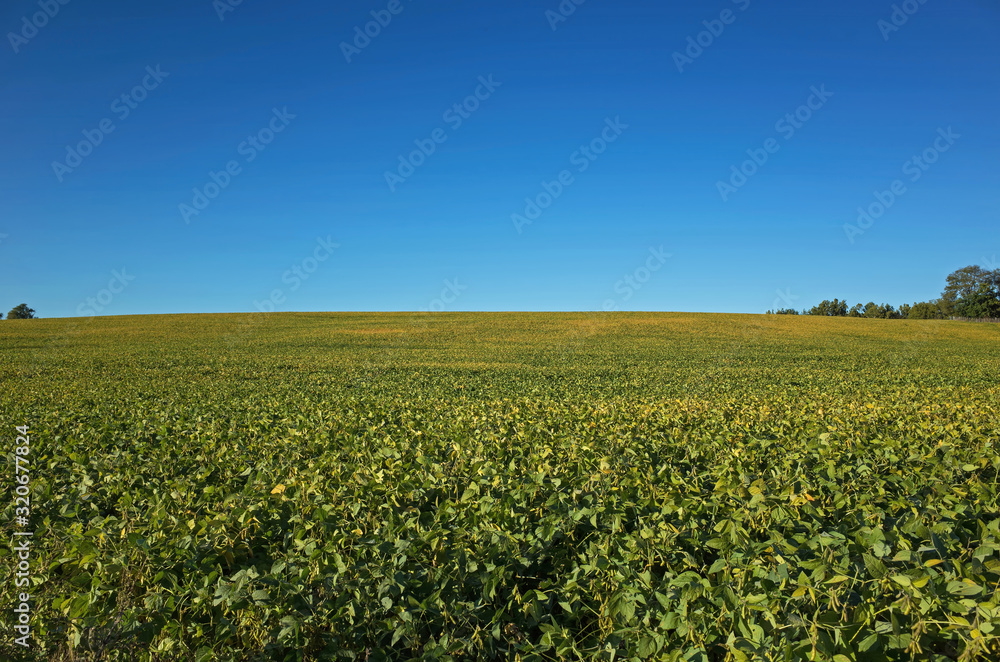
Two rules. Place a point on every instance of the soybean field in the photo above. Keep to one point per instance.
(474, 486)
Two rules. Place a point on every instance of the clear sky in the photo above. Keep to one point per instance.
(623, 131)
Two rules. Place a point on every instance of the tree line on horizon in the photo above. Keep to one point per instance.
(971, 292)
(20, 312)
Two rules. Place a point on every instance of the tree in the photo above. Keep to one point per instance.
(971, 292)
(885, 311)
(925, 310)
(835, 308)
(978, 305)
(969, 281)
(21, 312)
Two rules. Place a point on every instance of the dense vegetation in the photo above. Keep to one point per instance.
(500, 486)
(20, 312)
(970, 292)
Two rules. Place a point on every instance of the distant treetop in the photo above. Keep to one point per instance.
(21, 312)
(971, 292)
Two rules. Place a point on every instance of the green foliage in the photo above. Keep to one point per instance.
(21, 312)
(881, 312)
(970, 281)
(978, 305)
(507, 487)
(835, 308)
(972, 292)
(925, 311)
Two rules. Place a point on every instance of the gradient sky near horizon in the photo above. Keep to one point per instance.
(777, 240)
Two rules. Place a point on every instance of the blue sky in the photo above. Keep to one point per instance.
(266, 89)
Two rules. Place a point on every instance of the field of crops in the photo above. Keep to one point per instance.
(504, 487)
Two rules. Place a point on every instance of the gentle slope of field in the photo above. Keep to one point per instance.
(507, 486)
